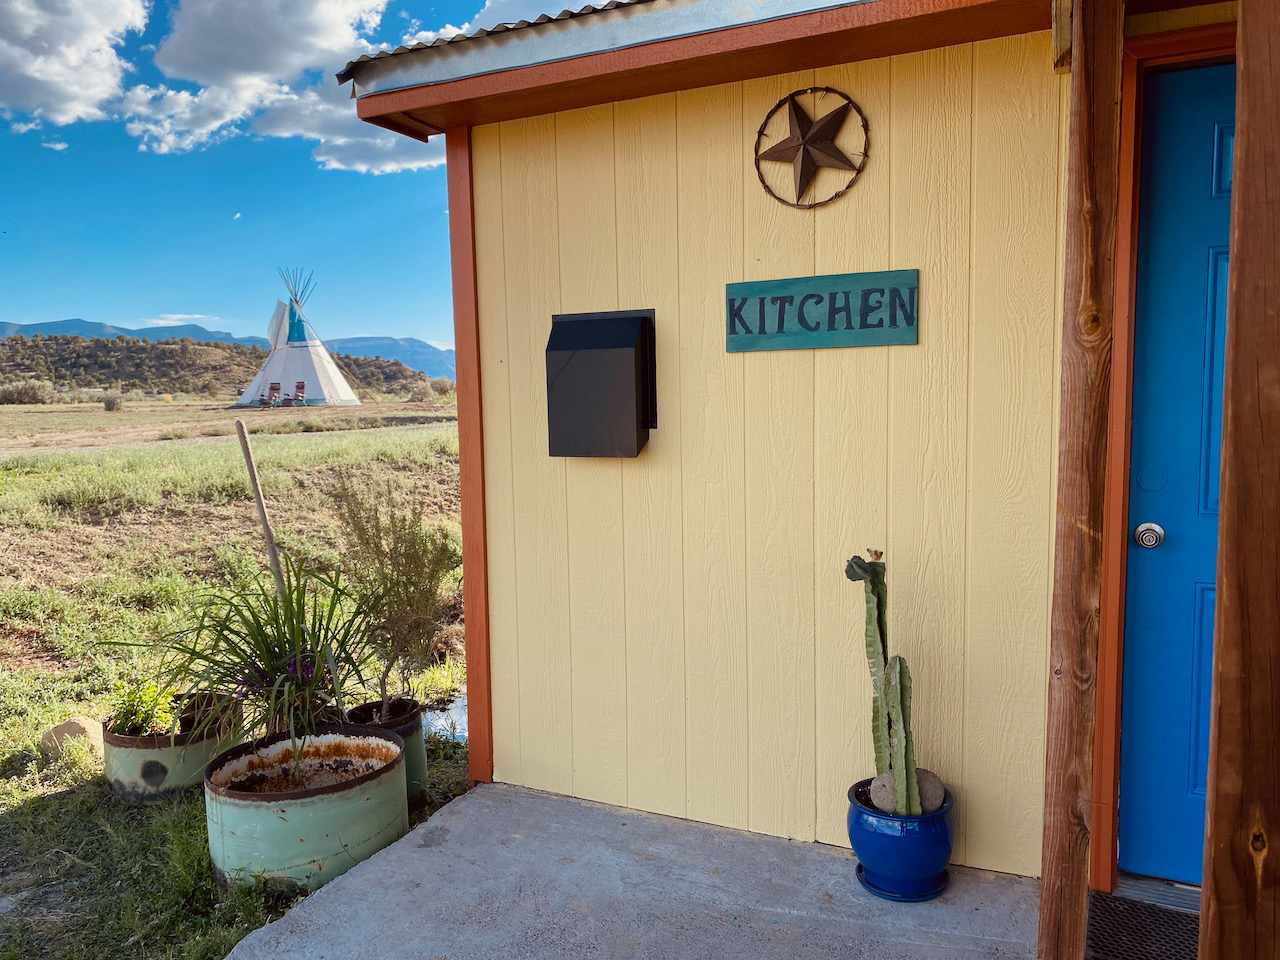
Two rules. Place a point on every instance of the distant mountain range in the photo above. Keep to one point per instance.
(413, 353)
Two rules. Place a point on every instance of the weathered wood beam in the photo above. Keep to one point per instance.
(1092, 198)
(475, 550)
(1240, 898)
(1060, 27)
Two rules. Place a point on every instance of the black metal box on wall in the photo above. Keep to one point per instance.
(602, 398)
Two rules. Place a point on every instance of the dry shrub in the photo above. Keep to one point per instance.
(406, 571)
(28, 391)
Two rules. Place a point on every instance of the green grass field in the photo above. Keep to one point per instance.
(45, 488)
(104, 548)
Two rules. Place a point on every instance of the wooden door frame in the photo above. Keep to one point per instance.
(475, 550)
(1191, 47)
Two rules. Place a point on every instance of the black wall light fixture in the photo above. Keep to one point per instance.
(602, 396)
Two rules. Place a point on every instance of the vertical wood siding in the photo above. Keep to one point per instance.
(675, 632)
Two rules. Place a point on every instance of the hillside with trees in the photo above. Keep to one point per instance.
(174, 366)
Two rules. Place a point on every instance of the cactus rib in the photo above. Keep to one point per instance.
(876, 663)
(898, 742)
(911, 775)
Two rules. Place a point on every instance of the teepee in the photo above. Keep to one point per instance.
(299, 369)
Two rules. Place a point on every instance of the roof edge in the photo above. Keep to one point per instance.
(348, 72)
(834, 35)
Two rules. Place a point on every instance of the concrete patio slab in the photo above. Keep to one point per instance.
(505, 872)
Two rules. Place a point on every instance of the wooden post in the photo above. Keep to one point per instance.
(1240, 899)
(268, 535)
(475, 551)
(1060, 26)
(1088, 319)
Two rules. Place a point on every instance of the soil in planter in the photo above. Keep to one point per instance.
(400, 709)
(863, 795)
(327, 760)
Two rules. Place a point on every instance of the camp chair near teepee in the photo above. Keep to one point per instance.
(297, 355)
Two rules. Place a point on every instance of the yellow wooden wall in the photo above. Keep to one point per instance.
(675, 632)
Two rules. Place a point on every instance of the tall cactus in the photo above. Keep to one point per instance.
(890, 687)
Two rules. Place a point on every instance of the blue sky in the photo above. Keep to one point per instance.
(160, 160)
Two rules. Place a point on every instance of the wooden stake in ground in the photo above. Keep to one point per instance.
(268, 536)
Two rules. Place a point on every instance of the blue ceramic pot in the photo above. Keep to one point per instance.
(899, 858)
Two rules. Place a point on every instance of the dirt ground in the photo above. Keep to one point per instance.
(77, 427)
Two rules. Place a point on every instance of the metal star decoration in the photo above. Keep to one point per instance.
(810, 144)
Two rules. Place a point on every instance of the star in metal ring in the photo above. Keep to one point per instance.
(811, 144)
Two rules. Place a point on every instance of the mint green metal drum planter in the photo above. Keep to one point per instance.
(405, 720)
(154, 767)
(351, 804)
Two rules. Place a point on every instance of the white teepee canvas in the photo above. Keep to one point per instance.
(298, 366)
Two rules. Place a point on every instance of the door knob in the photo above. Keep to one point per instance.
(1148, 535)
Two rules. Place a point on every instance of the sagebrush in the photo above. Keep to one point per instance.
(405, 568)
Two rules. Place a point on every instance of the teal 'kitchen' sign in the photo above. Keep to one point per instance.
(803, 313)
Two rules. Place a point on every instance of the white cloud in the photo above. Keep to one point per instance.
(55, 145)
(325, 114)
(417, 35)
(58, 59)
(177, 319)
(236, 215)
(253, 62)
(231, 68)
(441, 344)
(216, 42)
(166, 120)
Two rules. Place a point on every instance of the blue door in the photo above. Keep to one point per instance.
(1180, 323)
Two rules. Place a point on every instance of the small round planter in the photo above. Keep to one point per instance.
(261, 827)
(405, 721)
(900, 858)
(142, 769)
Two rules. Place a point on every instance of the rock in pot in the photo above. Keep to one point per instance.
(300, 828)
(884, 794)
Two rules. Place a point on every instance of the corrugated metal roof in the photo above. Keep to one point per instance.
(346, 72)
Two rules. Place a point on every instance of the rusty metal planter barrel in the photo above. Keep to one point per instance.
(405, 721)
(301, 838)
(153, 767)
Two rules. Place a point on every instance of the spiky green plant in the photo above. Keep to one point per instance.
(288, 658)
(890, 687)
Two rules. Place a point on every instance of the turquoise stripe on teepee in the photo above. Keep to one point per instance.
(297, 328)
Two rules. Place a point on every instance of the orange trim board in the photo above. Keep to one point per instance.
(466, 333)
(821, 38)
(1194, 46)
